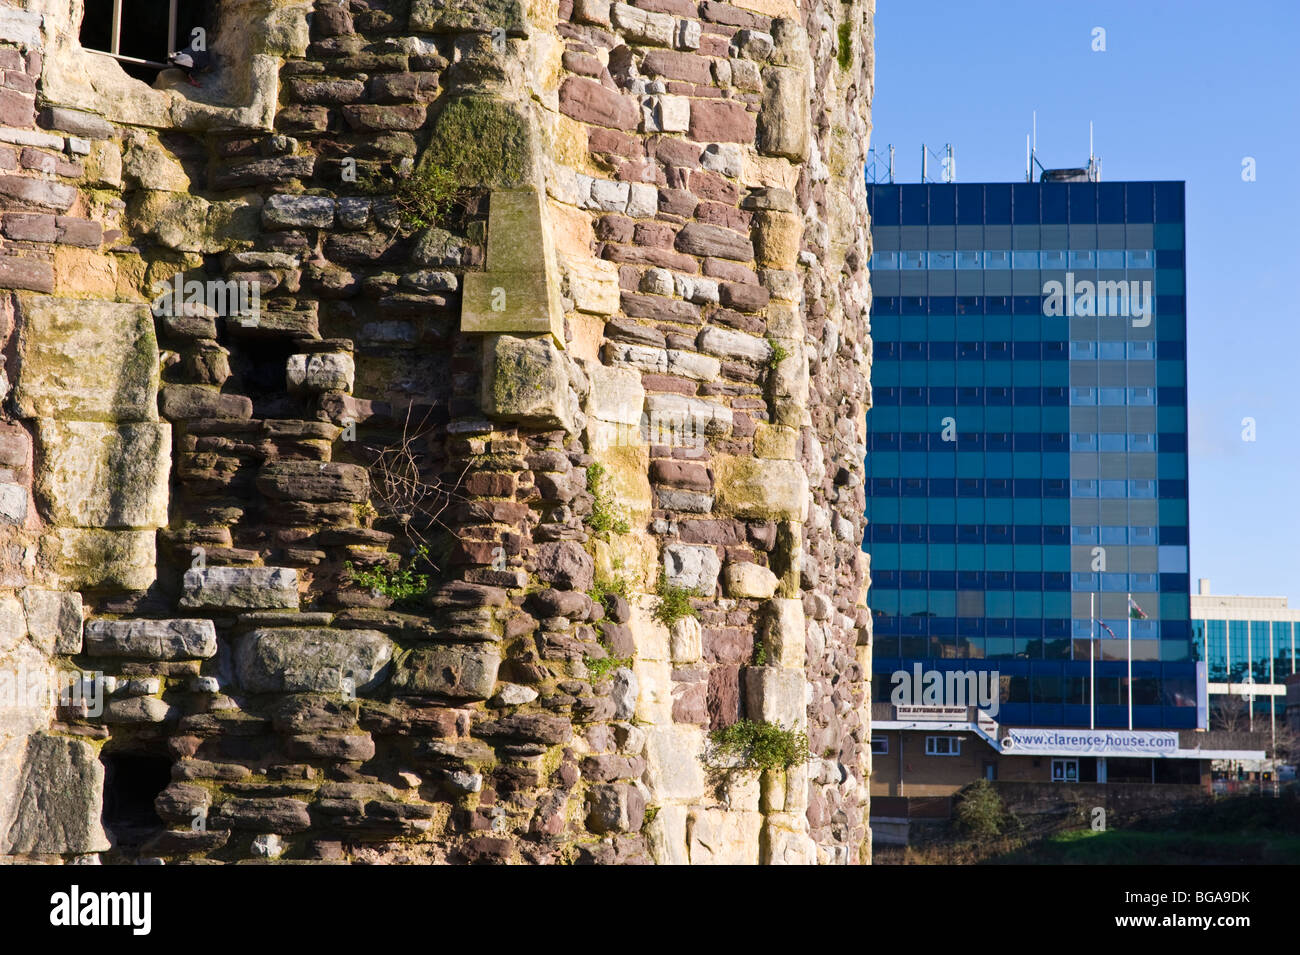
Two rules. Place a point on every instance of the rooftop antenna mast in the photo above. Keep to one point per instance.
(874, 163)
(948, 163)
(1031, 152)
(1094, 161)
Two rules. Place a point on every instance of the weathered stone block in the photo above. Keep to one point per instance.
(152, 639)
(616, 395)
(760, 487)
(93, 559)
(452, 16)
(565, 564)
(776, 695)
(692, 566)
(673, 767)
(682, 420)
(312, 660)
(785, 117)
(85, 360)
(519, 292)
(593, 285)
(54, 619)
(527, 380)
(314, 481)
(724, 343)
(785, 632)
(328, 371)
(749, 580)
(615, 807)
(294, 212)
(97, 474)
(230, 588)
(59, 795)
(281, 814)
(455, 672)
(186, 402)
(481, 141)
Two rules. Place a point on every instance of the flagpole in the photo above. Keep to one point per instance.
(1092, 670)
(1128, 615)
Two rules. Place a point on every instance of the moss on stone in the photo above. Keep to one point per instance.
(844, 55)
(480, 141)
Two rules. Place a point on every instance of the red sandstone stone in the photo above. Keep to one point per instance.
(723, 121)
(677, 66)
(588, 102)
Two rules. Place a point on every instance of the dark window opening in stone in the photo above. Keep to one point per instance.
(258, 367)
(132, 781)
(139, 33)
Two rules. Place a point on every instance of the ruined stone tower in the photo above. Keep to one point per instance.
(432, 425)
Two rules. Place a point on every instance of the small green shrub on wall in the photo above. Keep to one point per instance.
(674, 602)
(402, 585)
(604, 517)
(752, 744)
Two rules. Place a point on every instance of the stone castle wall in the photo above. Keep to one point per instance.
(630, 354)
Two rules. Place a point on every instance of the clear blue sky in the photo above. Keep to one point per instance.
(1185, 91)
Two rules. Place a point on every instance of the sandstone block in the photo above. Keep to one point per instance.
(643, 26)
(527, 380)
(298, 212)
(314, 481)
(785, 632)
(312, 660)
(760, 488)
(94, 559)
(784, 119)
(692, 566)
(700, 238)
(54, 619)
(733, 346)
(98, 474)
(454, 672)
(59, 797)
(776, 695)
(152, 639)
(251, 588)
(316, 373)
(749, 580)
(616, 395)
(86, 360)
(673, 767)
(689, 419)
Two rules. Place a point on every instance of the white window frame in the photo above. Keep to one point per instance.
(1063, 762)
(116, 41)
(880, 746)
(953, 743)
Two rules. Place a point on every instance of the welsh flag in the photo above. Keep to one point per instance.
(1134, 611)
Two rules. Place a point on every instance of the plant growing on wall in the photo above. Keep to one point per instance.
(403, 584)
(426, 197)
(754, 744)
(605, 516)
(674, 602)
(406, 492)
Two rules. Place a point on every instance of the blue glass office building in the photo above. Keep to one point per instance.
(1028, 444)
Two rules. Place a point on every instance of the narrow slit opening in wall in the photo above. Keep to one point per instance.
(132, 781)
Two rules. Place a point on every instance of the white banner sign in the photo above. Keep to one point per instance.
(1089, 742)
